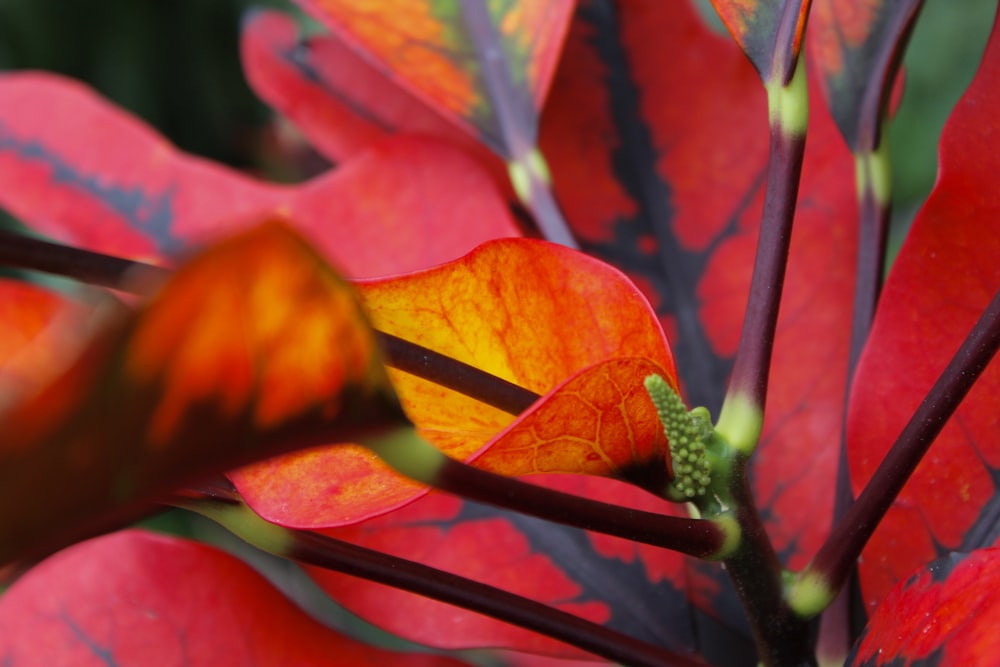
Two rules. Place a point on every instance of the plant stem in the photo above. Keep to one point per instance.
(874, 203)
(339, 556)
(409, 454)
(783, 638)
(25, 252)
(832, 564)
(695, 537)
(741, 418)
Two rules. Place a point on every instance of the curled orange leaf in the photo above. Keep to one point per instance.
(543, 317)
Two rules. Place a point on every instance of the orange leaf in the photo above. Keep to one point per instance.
(480, 64)
(596, 423)
(247, 350)
(530, 312)
(39, 332)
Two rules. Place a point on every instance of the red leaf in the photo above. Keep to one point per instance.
(769, 32)
(945, 614)
(483, 66)
(337, 98)
(132, 597)
(672, 194)
(529, 312)
(174, 392)
(76, 168)
(941, 281)
(857, 46)
(636, 589)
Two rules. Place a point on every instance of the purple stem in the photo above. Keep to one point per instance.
(753, 357)
(842, 548)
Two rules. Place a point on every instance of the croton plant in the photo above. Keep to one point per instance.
(581, 352)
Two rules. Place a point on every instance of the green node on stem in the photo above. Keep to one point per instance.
(740, 423)
(873, 173)
(808, 593)
(243, 522)
(788, 106)
(730, 528)
(526, 169)
(407, 453)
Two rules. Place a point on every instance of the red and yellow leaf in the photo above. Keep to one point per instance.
(857, 46)
(769, 32)
(945, 615)
(132, 597)
(84, 172)
(482, 65)
(337, 98)
(944, 276)
(248, 350)
(535, 314)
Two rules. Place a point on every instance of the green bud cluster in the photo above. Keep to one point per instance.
(686, 433)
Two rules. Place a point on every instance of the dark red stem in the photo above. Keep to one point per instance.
(849, 536)
(753, 357)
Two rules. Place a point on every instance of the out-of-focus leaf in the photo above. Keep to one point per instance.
(78, 169)
(638, 590)
(945, 274)
(337, 98)
(945, 615)
(40, 331)
(769, 32)
(251, 347)
(532, 313)
(857, 46)
(74, 167)
(484, 65)
(134, 597)
(664, 181)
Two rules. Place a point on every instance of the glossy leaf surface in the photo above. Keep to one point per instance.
(857, 46)
(532, 313)
(486, 66)
(126, 598)
(84, 172)
(943, 278)
(945, 614)
(175, 392)
(769, 32)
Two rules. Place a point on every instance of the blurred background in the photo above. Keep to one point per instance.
(176, 64)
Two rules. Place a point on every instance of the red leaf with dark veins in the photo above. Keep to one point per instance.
(668, 185)
(769, 31)
(134, 598)
(857, 46)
